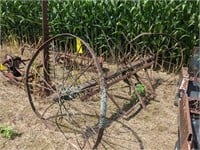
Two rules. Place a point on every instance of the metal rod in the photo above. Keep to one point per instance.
(46, 50)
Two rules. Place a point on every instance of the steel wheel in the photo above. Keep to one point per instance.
(71, 98)
(142, 60)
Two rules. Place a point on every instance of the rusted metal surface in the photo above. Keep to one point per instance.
(186, 135)
(183, 80)
(189, 111)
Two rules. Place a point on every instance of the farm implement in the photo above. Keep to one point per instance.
(13, 68)
(81, 94)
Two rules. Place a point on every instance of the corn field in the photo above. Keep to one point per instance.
(108, 25)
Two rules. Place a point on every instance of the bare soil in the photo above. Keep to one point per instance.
(154, 128)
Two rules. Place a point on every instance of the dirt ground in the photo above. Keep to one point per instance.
(154, 128)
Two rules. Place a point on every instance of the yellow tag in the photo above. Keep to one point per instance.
(2, 67)
(79, 46)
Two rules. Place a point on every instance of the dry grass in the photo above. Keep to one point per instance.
(154, 128)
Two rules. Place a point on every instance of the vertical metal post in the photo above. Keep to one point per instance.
(46, 50)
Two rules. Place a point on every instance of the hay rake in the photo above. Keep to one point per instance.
(85, 94)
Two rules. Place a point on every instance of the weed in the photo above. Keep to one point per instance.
(8, 132)
(140, 88)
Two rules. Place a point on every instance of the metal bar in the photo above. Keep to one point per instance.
(114, 78)
(127, 113)
(185, 124)
(113, 100)
(149, 80)
(185, 127)
(46, 50)
(138, 95)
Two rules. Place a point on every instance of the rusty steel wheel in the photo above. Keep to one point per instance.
(73, 97)
(141, 60)
(167, 49)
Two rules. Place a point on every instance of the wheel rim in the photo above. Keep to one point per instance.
(71, 73)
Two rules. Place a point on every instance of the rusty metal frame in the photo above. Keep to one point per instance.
(186, 112)
(93, 87)
(185, 127)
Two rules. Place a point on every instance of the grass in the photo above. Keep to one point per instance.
(8, 132)
(11, 48)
